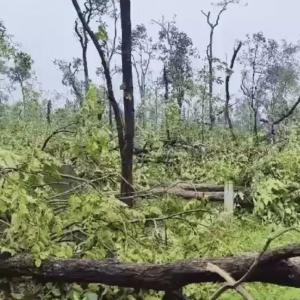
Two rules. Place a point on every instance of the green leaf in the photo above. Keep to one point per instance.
(90, 296)
(102, 34)
(38, 262)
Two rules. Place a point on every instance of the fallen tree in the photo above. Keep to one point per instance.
(280, 266)
(190, 191)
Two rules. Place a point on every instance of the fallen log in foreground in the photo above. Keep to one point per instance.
(281, 267)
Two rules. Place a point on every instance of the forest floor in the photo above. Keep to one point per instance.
(243, 234)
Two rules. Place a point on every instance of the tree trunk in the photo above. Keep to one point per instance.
(255, 127)
(281, 266)
(211, 80)
(23, 92)
(83, 40)
(127, 189)
(85, 65)
(166, 96)
(49, 111)
(227, 81)
(112, 99)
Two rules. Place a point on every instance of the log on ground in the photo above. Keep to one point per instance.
(281, 266)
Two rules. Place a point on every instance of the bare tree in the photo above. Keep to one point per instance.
(227, 81)
(84, 40)
(254, 59)
(143, 53)
(209, 52)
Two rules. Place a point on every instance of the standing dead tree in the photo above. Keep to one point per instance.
(252, 77)
(110, 47)
(143, 54)
(84, 40)
(227, 82)
(210, 55)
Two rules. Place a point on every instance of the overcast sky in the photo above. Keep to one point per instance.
(45, 28)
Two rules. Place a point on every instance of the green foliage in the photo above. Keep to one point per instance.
(59, 180)
(276, 185)
(102, 34)
(21, 70)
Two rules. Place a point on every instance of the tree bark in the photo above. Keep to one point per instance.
(108, 79)
(83, 40)
(126, 130)
(211, 78)
(127, 189)
(166, 97)
(49, 112)
(227, 81)
(255, 127)
(191, 191)
(210, 58)
(85, 68)
(281, 267)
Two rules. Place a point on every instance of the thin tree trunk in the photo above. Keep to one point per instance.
(49, 109)
(110, 116)
(202, 119)
(227, 81)
(125, 170)
(209, 54)
(211, 80)
(83, 40)
(127, 189)
(23, 96)
(85, 68)
(156, 108)
(166, 96)
(255, 127)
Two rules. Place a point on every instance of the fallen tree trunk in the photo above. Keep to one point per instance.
(191, 191)
(189, 195)
(281, 266)
(201, 187)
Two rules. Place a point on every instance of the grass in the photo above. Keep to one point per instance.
(239, 236)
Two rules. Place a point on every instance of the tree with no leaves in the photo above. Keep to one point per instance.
(143, 53)
(209, 52)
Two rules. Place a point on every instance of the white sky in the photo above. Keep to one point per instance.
(45, 28)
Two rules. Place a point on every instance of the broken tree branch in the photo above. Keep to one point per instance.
(213, 268)
(54, 133)
(254, 265)
(290, 112)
